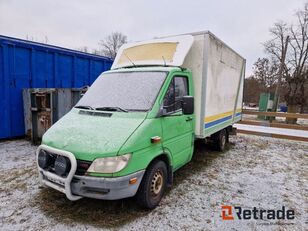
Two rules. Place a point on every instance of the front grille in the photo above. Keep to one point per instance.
(94, 113)
(82, 167)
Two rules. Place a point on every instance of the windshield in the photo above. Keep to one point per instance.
(127, 91)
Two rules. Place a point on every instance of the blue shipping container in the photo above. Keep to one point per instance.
(25, 64)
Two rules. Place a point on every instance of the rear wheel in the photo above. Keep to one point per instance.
(153, 185)
(220, 140)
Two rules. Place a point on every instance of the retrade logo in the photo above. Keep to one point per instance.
(226, 212)
(255, 213)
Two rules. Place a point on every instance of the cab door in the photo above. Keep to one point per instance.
(177, 127)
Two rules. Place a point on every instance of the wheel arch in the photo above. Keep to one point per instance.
(166, 158)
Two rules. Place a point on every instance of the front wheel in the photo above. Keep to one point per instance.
(153, 185)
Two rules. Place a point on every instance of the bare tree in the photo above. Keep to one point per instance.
(111, 44)
(33, 39)
(289, 47)
(96, 52)
(83, 49)
(46, 39)
(252, 90)
(277, 48)
(265, 72)
(296, 74)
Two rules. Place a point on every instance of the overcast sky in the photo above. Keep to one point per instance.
(242, 24)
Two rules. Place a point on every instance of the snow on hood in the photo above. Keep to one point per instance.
(89, 137)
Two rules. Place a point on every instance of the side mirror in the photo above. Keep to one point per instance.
(188, 105)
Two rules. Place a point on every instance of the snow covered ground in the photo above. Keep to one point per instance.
(300, 121)
(272, 130)
(255, 171)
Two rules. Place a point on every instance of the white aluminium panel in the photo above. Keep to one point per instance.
(224, 85)
(169, 51)
(218, 73)
(195, 62)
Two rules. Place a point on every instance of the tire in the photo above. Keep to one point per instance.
(220, 139)
(153, 185)
(227, 135)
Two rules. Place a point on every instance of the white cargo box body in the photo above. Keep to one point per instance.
(218, 74)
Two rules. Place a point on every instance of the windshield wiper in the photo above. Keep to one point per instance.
(84, 107)
(138, 110)
(111, 109)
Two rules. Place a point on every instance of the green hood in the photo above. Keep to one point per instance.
(91, 136)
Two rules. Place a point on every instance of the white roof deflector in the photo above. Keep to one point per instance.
(169, 51)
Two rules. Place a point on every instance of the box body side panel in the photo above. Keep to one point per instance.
(224, 87)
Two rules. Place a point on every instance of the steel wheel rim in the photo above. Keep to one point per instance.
(157, 183)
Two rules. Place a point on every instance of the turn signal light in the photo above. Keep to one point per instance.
(133, 180)
(155, 139)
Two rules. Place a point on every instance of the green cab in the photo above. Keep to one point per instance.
(127, 134)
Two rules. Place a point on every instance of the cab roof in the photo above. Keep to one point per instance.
(150, 68)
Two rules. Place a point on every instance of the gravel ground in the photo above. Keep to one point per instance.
(254, 172)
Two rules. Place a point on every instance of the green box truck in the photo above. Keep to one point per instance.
(137, 123)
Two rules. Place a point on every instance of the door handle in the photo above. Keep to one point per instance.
(189, 119)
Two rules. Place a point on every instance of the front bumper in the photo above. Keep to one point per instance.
(106, 188)
(76, 187)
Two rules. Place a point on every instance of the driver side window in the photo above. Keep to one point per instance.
(177, 89)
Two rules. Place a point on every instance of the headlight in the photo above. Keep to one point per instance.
(44, 159)
(109, 164)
